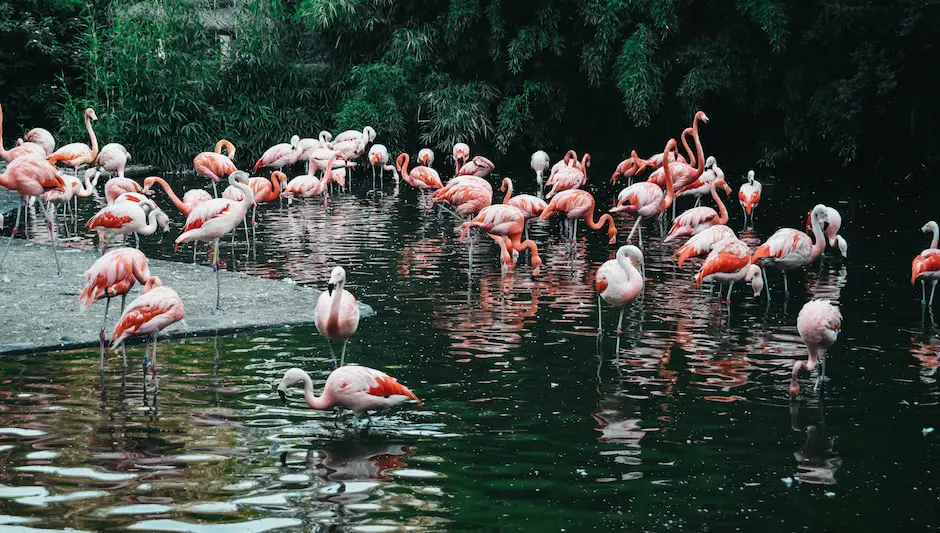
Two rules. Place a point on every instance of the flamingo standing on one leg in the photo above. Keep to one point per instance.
(577, 204)
(531, 206)
(215, 165)
(645, 198)
(354, 387)
(337, 313)
(113, 158)
(150, 313)
(32, 176)
(209, 221)
(540, 162)
(749, 197)
(703, 242)
(619, 282)
(926, 265)
(505, 223)
(730, 262)
(77, 154)
(819, 324)
(788, 248)
(461, 153)
(113, 274)
(698, 219)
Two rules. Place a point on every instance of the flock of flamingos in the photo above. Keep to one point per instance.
(32, 173)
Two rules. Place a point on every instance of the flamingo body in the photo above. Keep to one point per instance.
(354, 387)
(819, 324)
(114, 274)
(703, 242)
(151, 312)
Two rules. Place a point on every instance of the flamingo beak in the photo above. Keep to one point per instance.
(330, 287)
(283, 396)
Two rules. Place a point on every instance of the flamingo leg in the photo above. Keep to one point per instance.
(332, 354)
(620, 323)
(730, 287)
(26, 219)
(600, 328)
(786, 289)
(215, 189)
(574, 232)
(821, 378)
(633, 229)
(153, 364)
(766, 282)
(218, 285)
(136, 241)
(247, 240)
(104, 323)
(195, 246)
(16, 227)
(698, 201)
(933, 289)
(51, 227)
(342, 356)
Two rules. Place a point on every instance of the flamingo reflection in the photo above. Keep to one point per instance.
(816, 461)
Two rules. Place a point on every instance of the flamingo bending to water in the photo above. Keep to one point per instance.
(113, 158)
(788, 248)
(279, 156)
(215, 165)
(577, 204)
(619, 282)
(191, 198)
(729, 263)
(468, 194)
(209, 221)
(337, 314)
(358, 388)
(506, 224)
(77, 154)
(571, 176)
(149, 314)
(540, 162)
(479, 166)
(926, 265)
(32, 176)
(461, 153)
(703, 243)
(819, 324)
(749, 197)
(645, 198)
(531, 206)
(698, 219)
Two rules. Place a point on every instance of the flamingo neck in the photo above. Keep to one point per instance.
(314, 401)
(169, 192)
(936, 235)
(722, 210)
(508, 183)
(92, 137)
(151, 226)
(667, 174)
(819, 239)
(688, 150)
(404, 165)
(275, 185)
(336, 302)
(700, 167)
(248, 195)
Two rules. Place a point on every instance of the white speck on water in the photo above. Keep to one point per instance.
(830, 494)
(926, 431)
(554, 385)
(788, 481)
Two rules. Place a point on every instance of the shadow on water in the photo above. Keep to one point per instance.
(528, 424)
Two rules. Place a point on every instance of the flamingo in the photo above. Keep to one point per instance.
(618, 282)
(628, 168)
(926, 265)
(468, 194)
(703, 185)
(42, 137)
(362, 138)
(420, 177)
(697, 219)
(191, 198)
(77, 154)
(479, 166)
(788, 248)
(149, 314)
(426, 156)
(531, 206)
(684, 173)
(703, 242)
(570, 176)
(833, 221)
(113, 158)
(115, 187)
(303, 187)
(505, 223)
(31, 176)
(124, 218)
(730, 262)
(113, 274)
(209, 221)
(337, 314)
(305, 147)
(749, 197)
(358, 388)
(570, 160)
(279, 156)
(461, 154)
(74, 188)
(577, 204)
(25, 149)
(645, 198)
(540, 162)
(819, 324)
(215, 165)
(265, 190)
(379, 158)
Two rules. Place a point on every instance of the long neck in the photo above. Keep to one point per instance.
(688, 151)
(314, 401)
(698, 150)
(404, 165)
(667, 173)
(92, 138)
(722, 210)
(336, 303)
(169, 192)
(275, 185)
(86, 188)
(936, 235)
(248, 195)
(151, 226)
(819, 242)
(508, 183)
(633, 275)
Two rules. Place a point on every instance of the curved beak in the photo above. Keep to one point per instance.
(283, 396)
(330, 287)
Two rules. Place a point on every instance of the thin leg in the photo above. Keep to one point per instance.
(215, 189)
(640, 230)
(743, 210)
(730, 288)
(16, 227)
(195, 246)
(247, 241)
(153, 364)
(218, 283)
(26, 219)
(136, 241)
(342, 356)
(332, 354)
(933, 289)
(600, 327)
(574, 231)
(786, 289)
(51, 228)
(620, 322)
(633, 229)
(766, 282)
(104, 324)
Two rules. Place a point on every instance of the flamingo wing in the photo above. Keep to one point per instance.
(148, 313)
(207, 211)
(927, 262)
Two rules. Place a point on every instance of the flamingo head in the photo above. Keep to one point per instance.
(930, 227)
(337, 279)
(700, 115)
(90, 113)
(506, 183)
(756, 278)
(292, 376)
(750, 176)
(710, 162)
(369, 133)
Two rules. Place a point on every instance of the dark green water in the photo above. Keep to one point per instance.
(526, 426)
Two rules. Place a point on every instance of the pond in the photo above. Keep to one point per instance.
(527, 425)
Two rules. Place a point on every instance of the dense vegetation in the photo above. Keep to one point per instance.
(842, 79)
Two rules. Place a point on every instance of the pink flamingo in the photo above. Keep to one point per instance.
(24, 149)
(819, 324)
(833, 221)
(305, 147)
(426, 156)
(115, 187)
(149, 314)
(926, 265)
(628, 168)
(113, 274)
(379, 158)
(749, 197)
(420, 177)
(619, 282)
(123, 218)
(354, 387)
(540, 162)
(461, 154)
(357, 140)
(569, 177)
(505, 223)
(191, 198)
(42, 137)
(698, 219)
(337, 314)
(788, 248)
(646, 199)
(74, 188)
(113, 158)
(656, 161)
(31, 176)
(684, 173)
(703, 242)
(209, 221)
(279, 156)
(531, 206)
(730, 262)
(303, 187)
(468, 194)
(479, 166)
(265, 191)
(577, 204)
(215, 165)
(703, 185)
(77, 154)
